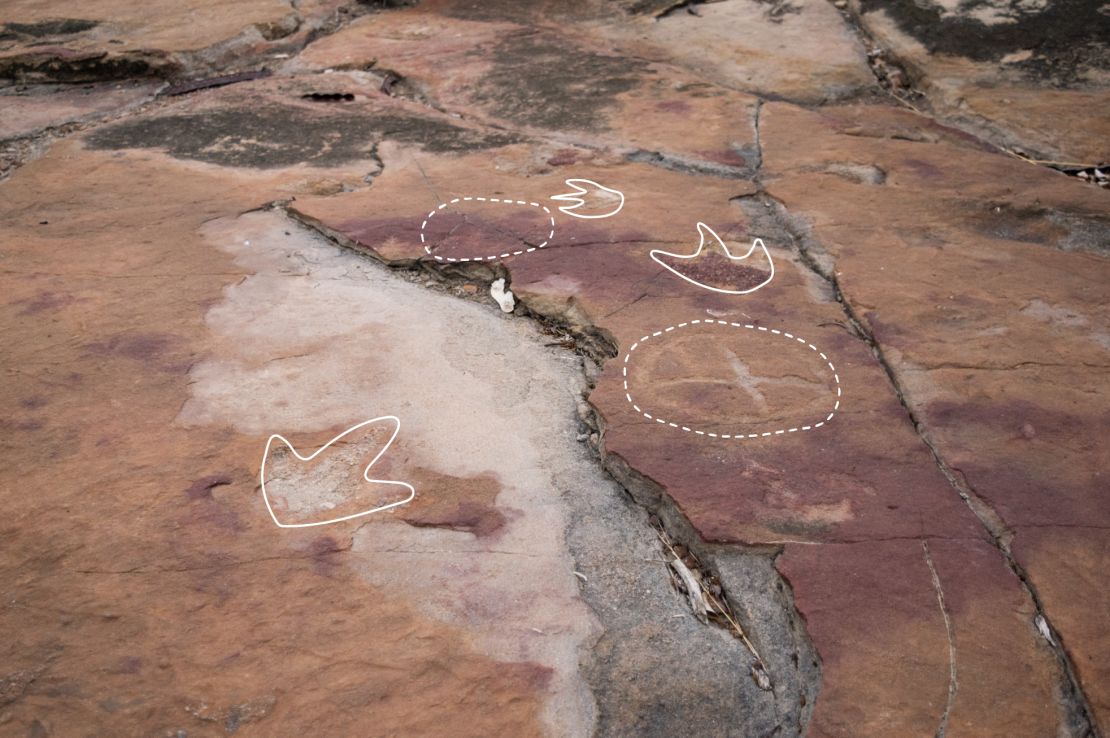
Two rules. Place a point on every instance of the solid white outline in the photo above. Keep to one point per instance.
(702, 230)
(736, 436)
(365, 473)
(574, 197)
(507, 254)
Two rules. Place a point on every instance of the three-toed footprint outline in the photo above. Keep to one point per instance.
(710, 242)
(365, 473)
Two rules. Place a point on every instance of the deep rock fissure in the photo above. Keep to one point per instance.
(794, 672)
(899, 79)
(687, 165)
(1078, 713)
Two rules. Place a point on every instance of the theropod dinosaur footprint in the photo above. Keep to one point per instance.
(713, 267)
(307, 486)
(604, 201)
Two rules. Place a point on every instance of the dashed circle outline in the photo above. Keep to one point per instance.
(733, 436)
(507, 254)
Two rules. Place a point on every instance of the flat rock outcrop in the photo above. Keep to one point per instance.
(845, 480)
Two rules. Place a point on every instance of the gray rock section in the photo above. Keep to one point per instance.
(656, 670)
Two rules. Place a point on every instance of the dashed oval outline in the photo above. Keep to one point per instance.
(507, 254)
(733, 436)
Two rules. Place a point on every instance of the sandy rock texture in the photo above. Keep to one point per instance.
(1030, 76)
(849, 485)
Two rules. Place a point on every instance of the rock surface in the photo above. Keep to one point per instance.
(802, 51)
(112, 40)
(1032, 76)
(885, 461)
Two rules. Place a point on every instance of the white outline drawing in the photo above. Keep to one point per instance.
(507, 254)
(578, 201)
(702, 230)
(571, 197)
(365, 473)
(736, 436)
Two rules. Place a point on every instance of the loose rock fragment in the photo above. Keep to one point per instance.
(503, 296)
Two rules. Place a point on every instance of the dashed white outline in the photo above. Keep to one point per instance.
(577, 201)
(507, 254)
(735, 436)
(703, 229)
(365, 473)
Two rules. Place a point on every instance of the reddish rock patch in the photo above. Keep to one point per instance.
(456, 503)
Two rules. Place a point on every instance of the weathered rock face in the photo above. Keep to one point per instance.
(1032, 76)
(963, 284)
(166, 602)
(880, 437)
(515, 77)
(28, 110)
(800, 51)
(778, 490)
(112, 40)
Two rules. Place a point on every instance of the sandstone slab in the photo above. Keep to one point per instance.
(472, 585)
(110, 40)
(28, 110)
(776, 491)
(528, 79)
(151, 616)
(1007, 70)
(801, 51)
(938, 633)
(997, 287)
(886, 455)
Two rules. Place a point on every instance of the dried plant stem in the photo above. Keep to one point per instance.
(1049, 163)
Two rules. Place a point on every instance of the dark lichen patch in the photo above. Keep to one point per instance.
(656, 8)
(56, 64)
(1025, 225)
(281, 137)
(439, 136)
(1084, 232)
(549, 83)
(699, 89)
(1055, 30)
(1049, 227)
(488, 10)
(47, 28)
